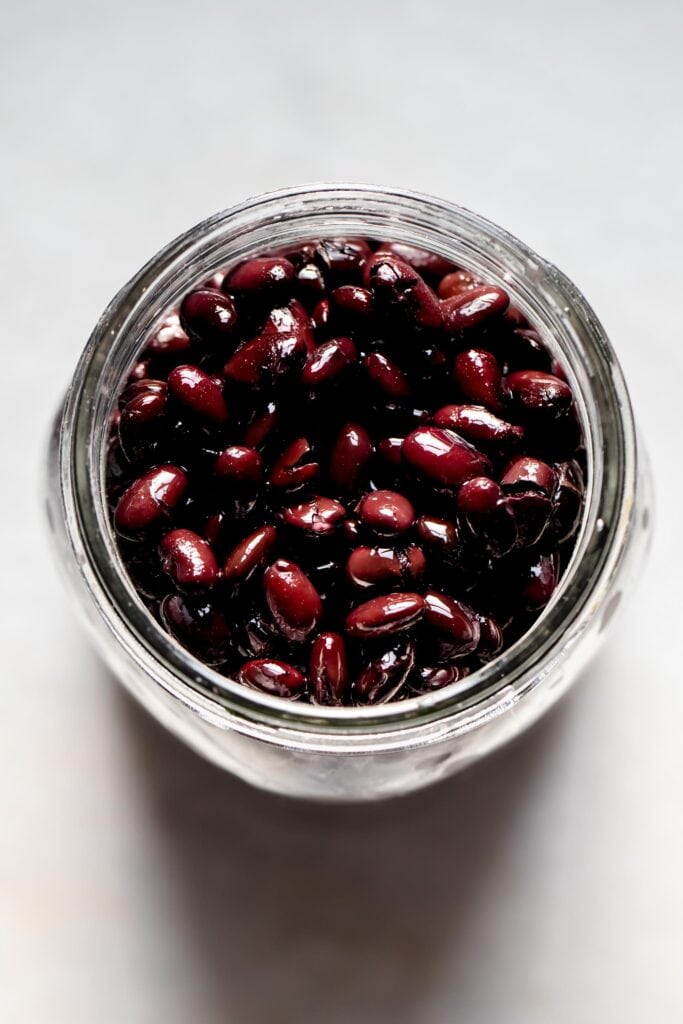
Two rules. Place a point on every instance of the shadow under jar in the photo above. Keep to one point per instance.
(346, 752)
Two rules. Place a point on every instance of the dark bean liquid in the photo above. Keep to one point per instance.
(349, 473)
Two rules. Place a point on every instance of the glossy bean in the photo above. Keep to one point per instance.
(188, 559)
(386, 615)
(280, 349)
(479, 380)
(262, 424)
(293, 601)
(239, 465)
(446, 615)
(488, 516)
(213, 528)
(413, 563)
(439, 533)
(141, 424)
(539, 579)
(436, 677)
(200, 626)
(309, 284)
(370, 566)
(319, 515)
(149, 499)
(320, 317)
(479, 496)
(399, 290)
(329, 361)
(391, 449)
(295, 467)
(490, 638)
(208, 317)
(524, 350)
(261, 280)
(169, 340)
(473, 308)
(352, 530)
(385, 675)
(342, 257)
(256, 638)
(351, 305)
(350, 455)
(328, 669)
(567, 501)
(249, 553)
(290, 320)
(422, 260)
(479, 426)
(304, 252)
(539, 395)
(527, 473)
(528, 485)
(444, 456)
(145, 386)
(278, 678)
(386, 512)
(198, 392)
(266, 359)
(458, 282)
(531, 512)
(386, 375)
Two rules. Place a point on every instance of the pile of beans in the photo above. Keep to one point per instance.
(346, 473)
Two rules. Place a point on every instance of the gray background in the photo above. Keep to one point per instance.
(138, 883)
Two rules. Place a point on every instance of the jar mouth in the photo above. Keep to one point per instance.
(543, 293)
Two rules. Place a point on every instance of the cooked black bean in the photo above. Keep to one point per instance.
(385, 675)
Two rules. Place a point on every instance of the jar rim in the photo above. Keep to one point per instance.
(444, 227)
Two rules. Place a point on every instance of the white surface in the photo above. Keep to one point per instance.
(138, 883)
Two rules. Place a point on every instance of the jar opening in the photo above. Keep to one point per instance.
(568, 327)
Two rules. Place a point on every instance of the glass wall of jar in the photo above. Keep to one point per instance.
(362, 753)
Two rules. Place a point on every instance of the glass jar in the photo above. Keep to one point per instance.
(370, 752)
